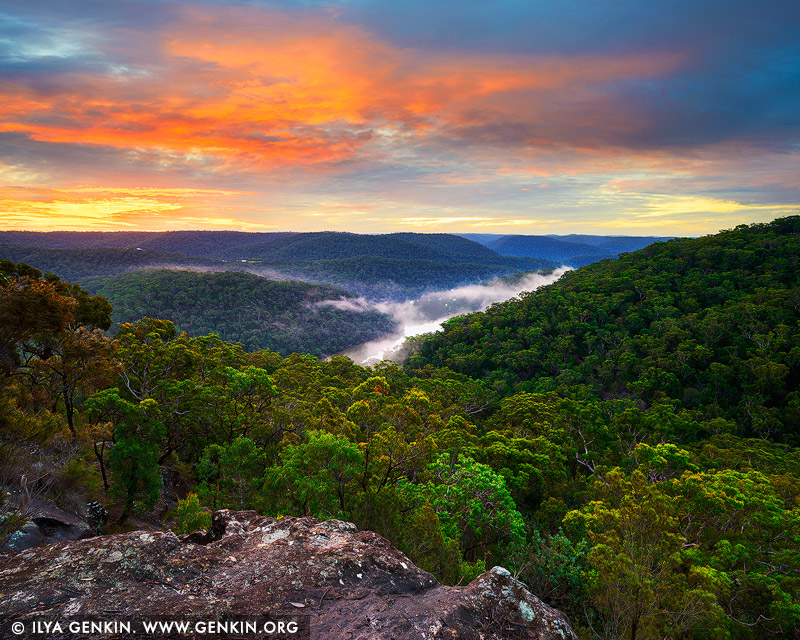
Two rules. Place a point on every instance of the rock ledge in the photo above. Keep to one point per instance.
(352, 584)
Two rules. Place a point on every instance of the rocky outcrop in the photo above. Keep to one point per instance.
(46, 524)
(349, 583)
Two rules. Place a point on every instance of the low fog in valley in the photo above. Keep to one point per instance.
(427, 313)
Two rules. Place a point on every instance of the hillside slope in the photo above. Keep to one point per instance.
(395, 266)
(258, 313)
(712, 324)
(79, 265)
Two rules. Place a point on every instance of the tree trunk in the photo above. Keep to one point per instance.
(102, 466)
(164, 456)
(70, 413)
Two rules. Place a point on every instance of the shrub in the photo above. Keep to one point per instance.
(190, 517)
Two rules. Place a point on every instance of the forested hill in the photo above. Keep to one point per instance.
(395, 266)
(285, 317)
(236, 245)
(711, 324)
(79, 265)
(573, 250)
(328, 245)
(191, 243)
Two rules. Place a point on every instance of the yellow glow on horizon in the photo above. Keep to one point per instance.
(107, 208)
(667, 205)
(101, 213)
(84, 208)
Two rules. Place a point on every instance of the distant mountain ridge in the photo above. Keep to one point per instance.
(209, 244)
(79, 265)
(575, 250)
(318, 245)
(389, 266)
(330, 245)
(541, 247)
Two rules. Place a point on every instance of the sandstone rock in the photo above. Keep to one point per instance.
(352, 584)
(173, 489)
(26, 537)
(47, 524)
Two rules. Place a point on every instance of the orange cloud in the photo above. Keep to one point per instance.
(241, 88)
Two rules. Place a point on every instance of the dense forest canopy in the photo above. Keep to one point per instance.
(622, 440)
(286, 317)
(709, 325)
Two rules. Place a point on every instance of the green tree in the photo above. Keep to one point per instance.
(189, 517)
(643, 585)
(136, 477)
(232, 473)
(133, 459)
(316, 477)
(473, 505)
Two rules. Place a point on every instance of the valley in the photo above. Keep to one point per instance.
(623, 430)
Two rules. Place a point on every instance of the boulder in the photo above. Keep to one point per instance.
(26, 537)
(349, 583)
(47, 523)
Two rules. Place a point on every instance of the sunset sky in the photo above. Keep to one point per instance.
(626, 117)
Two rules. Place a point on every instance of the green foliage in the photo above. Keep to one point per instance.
(53, 354)
(557, 570)
(200, 391)
(36, 313)
(77, 481)
(473, 505)
(231, 473)
(258, 313)
(133, 459)
(423, 539)
(642, 584)
(709, 324)
(189, 517)
(317, 476)
(708, 552)
(136, 475)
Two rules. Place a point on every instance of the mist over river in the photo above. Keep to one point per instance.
(427, 313)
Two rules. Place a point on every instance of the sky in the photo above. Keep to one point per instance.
(622, 117)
